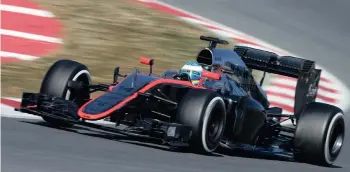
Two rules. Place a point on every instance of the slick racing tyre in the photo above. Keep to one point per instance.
(56, 80)
(319, 134)
(204, 111)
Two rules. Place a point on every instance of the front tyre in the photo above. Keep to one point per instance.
(55, 83)
(204, 111)
(319, 134)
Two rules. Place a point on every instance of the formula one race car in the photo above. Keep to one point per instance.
(228, 108)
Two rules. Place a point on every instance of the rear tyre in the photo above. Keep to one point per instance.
(319, 134)
(204, 111)
(55, 84)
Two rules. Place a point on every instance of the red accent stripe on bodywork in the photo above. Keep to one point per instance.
(128, 99)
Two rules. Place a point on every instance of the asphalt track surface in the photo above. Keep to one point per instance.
(313, 29)
(31, 146)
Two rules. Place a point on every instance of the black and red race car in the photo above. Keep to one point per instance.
(228, 108)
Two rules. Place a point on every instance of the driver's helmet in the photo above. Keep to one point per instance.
(193, 70)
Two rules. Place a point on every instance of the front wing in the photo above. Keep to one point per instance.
(46, 106)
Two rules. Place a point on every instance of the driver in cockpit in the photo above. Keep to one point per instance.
(193, 72)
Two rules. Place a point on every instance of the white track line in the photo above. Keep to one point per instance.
(285, 101)
(290, 92)
(195, 21)
(28, 11)
(30, 36)
(18, 56)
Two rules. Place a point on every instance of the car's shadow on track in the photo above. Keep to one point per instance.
(144, 142)
(155, 144)
(252, 155)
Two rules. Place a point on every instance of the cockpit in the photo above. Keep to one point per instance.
(230, 64)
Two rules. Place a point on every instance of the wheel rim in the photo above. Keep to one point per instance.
(82, 76)
(336, 139)
(215, 127)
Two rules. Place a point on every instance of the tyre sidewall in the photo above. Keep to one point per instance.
(56, 79)
(313, 133)
(195, 111)
(337, 117)
(55, 84)
(216, 101)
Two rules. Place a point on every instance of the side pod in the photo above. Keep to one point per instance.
(250, 117)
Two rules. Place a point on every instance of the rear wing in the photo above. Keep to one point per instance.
(273, 63)
(304, 70)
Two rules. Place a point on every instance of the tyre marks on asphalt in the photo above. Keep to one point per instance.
(27, 31)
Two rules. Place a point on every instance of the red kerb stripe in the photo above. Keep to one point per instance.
(30, 24)
(9, 60)
(26, 46)
(282, 95)
(21, 3)
(211, 27)
(11, 103)
(243, 41)
(331, 90)
(281, 105)
(166, 9)
(323, 79)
